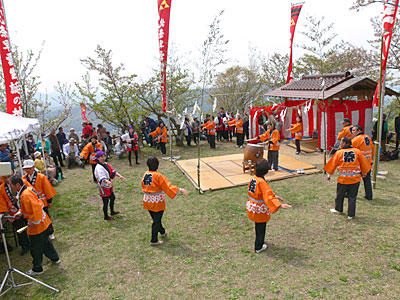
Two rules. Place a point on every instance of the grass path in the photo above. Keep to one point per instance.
(208, 253)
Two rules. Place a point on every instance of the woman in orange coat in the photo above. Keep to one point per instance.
(89, 151)
(155, 186)
(238, 123)
(262, 203)
(161, 134)
(272, 136)
(297, 130)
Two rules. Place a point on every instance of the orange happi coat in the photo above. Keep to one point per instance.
(238, 122)
(211, 127)
(32, 209)
(297, 129)
(274, 138)
(364, 143)
(89, 151)
(262, 201)
(161, 135)
(345, 132)
(350, 164)
(42, 186)
(155, 186)
(6, 200)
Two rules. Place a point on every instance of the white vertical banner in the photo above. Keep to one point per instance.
(368, 122)
(315, 117)
(306, 123)
(288, 121)
(355, 117)
(322, 134)
(339, 117)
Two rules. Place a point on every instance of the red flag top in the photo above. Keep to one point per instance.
(83, 111)
(389, 18)
(164, 9)
(295, 13)
(10, 74)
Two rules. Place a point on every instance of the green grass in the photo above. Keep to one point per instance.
(208, 253)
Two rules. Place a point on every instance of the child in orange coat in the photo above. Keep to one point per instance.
(155, 186)
(297, 130)
(262, 203)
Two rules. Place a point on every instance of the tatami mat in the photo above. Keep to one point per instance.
(220, 172)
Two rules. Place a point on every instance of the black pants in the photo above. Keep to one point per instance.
(110, 199)
(41, 244)
(162, 147)
(57, 158)
(350, 191)
(260, 235)
(230, 133)
(239, 139)
(368, 186)
(46, 210)
(188, 139)
(246, 133)
(156, 227)
(225, 135)
(94, 177)
(273, 158)
(23, 239)
(297, 142)
(195, 137)
(397, 140)
(212, 141)
(136, 157)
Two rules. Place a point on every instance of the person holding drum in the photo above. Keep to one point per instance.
(297, 130)
(272, 138)
(262, 203)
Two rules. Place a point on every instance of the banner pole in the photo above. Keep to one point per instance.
(378, 134)
(169, 130)
(198, 154)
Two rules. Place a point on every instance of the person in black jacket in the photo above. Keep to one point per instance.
(397, 130)
(61, 137)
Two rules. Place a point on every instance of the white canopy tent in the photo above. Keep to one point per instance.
(13, 128)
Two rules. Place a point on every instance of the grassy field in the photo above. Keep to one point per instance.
(208, 253)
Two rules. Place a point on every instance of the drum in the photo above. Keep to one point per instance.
(253, 152)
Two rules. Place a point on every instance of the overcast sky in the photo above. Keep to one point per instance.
(72, 29)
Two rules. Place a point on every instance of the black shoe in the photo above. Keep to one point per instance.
(115, 213)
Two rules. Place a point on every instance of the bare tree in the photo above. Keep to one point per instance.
(114, 100)
(35, 104)
(212, 55)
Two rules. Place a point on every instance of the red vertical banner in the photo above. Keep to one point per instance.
(389, 18)
(164, 9)
(10, 74)
(83, 111)
(295, 13)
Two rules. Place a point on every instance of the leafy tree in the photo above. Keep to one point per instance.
(114, 100)
(180, 93)
(237, 86)
(274, 69)
(357, 4)
(325, 55)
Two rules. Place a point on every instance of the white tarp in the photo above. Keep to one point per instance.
(12, 127)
